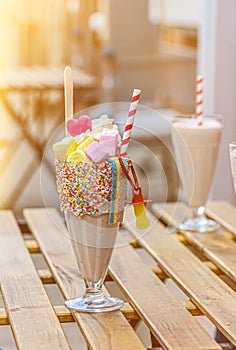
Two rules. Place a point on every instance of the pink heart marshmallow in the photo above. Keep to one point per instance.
(78, 126)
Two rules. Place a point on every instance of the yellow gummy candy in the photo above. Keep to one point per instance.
(142, 221)
(77, 156)
(83, 145)
(63, 148)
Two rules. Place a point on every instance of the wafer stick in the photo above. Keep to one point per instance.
(68, 95)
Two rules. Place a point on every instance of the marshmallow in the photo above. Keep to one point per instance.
(79, 126)
(79, 138)
(63, 148)
(96, 152)
(87, 140)
(77, 156)
(101, 122)
(110, 129)
(108, 143)
(96, 134)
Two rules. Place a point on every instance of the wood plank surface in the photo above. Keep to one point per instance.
(224, 213)
(65, 315)
(168, 331)
(216, 246)
(170, 213)
(105, 331)
(221, 211)
(211, 295)
(32, 318)
(169, 322)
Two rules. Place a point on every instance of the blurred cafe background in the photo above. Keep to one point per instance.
(113, 46)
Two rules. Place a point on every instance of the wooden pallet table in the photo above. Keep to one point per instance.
(201, 265)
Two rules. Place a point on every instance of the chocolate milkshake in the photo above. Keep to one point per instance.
(92, 169)
(92, 190)
(93, 240)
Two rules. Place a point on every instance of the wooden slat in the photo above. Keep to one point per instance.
(46, 276)
(169, 322)
(102, 331)
(33, 321)
(224, 213)
(211, 295)
(188, 305)
(170, 213)
(216, 246)
(32, 246)
(3, 318)
(65, 315)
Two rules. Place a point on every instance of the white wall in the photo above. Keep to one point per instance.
(217, 61)
(180, 12)
(166, 78)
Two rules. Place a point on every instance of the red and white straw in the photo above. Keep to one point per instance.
(199, 99)
(130, 120)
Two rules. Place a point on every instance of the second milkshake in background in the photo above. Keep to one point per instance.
(196, 148)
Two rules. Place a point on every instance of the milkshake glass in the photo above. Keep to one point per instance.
(93, 241)
(85, 191)
(232, 153)
(196, 148)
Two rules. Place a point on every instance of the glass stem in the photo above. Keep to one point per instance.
(94, 289)
(198, 212)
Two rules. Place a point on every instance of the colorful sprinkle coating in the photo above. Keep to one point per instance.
(86, 188)
(83, 188)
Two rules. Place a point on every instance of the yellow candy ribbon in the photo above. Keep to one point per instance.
(142, 220)
(138, 202)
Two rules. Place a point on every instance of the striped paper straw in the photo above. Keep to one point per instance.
(130, 121)
(199, 100)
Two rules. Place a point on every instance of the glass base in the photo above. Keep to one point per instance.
(199, 224)
(91, 304)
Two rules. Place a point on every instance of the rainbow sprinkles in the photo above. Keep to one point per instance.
(92, 189)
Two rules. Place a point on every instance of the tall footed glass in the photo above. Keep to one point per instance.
(93, 241)
(232, 154)
(92, 165)
(92, 196)
(196, 149)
